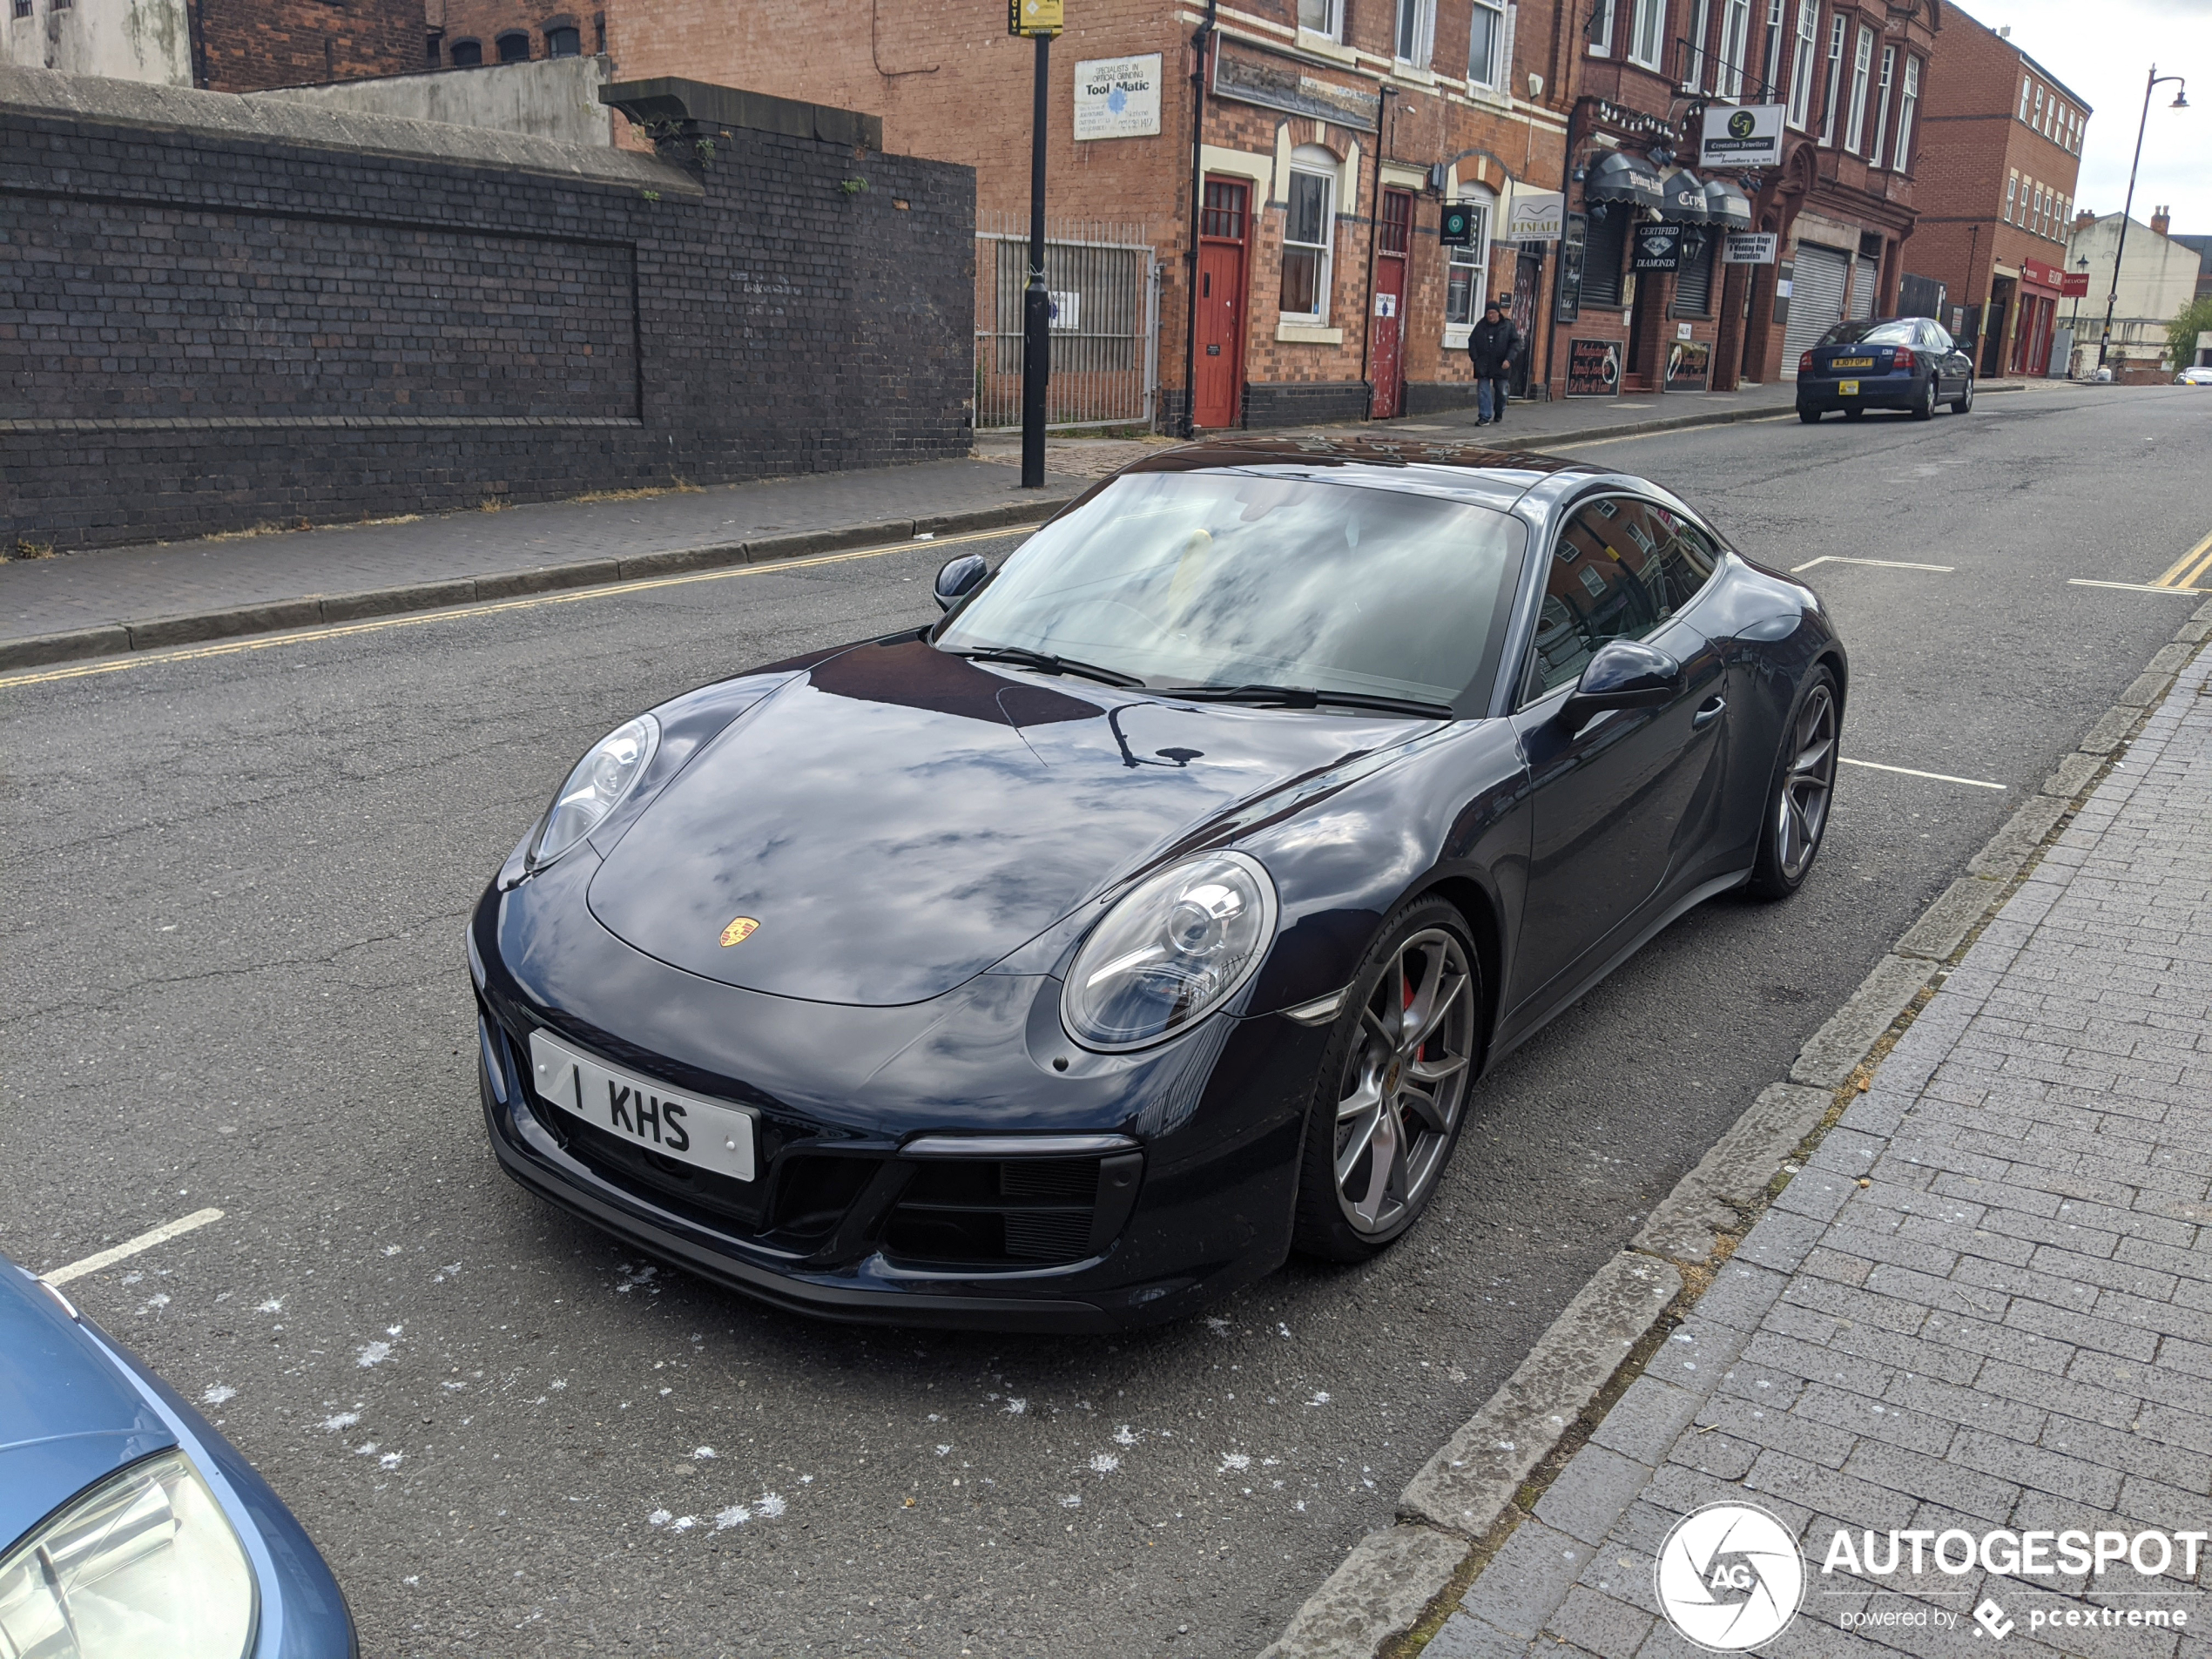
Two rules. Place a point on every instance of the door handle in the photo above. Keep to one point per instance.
(1708, 711)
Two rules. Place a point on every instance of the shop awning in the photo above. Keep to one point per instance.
(1616, 179)
(1727, 206)
(1685, 193)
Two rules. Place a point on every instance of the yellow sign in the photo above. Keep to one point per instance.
(1034, 17)
(738, 931)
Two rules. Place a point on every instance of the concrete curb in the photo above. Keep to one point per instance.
(154, 633)
(1470, 1487)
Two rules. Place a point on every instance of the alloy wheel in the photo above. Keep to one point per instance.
(1404, 1081)
(1807, 784)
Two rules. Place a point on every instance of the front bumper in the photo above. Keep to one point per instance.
(861, 1208)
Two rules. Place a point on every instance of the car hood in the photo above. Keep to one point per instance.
(67, 1417)
(897, 819)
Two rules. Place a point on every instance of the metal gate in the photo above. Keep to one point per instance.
(1816, 301)
(1105, 289)
(1865, 275)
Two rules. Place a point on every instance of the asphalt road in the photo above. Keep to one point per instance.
(234, 891)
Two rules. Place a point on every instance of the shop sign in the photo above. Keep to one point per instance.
(1535, 216)
(1567, 295)
(1118, 98)
(1594, 367)
(1689, 365)
(2041, 275)
(1743, 135)
(1749, 247)
(1272, 86)
(1657, 247)
(2075, 286)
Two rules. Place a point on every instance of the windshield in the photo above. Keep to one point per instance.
(1897, 331)
(1235, 578)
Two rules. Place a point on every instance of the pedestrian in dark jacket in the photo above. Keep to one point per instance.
(1492, 344)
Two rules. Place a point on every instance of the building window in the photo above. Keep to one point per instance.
(1322, 16)
(1773, 76)
(1882, 105)
(1801, 64)
(23, 7)
(1416, 31)
(432, 51)
(2012, 195)
(1646, 27)
(1835, 80)
(1735, 43)
(1601, 29)
(564, 43)
(1467, 272)
(1908, 106)
(1309, 230)
(514, 49)
(467, 54)
(1486, 44)
(1222, 218)
(2036, 120)
(1701, 21)
(2027, 86)
(1862, 63)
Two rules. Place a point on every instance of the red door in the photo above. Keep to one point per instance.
(1218, 396)
(1388, 361)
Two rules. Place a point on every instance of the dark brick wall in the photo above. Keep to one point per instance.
(1269, 403)
(203, 332)
(245, 45)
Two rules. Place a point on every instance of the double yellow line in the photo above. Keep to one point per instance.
(2190, 568)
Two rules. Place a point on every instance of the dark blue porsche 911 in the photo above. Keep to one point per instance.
(1066, 963)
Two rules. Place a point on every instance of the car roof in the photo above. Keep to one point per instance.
(1475, 473)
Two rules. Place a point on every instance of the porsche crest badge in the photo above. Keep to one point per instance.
(738, 931)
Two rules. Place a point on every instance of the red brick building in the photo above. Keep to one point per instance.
(1996, 198)
(462, 34)
(1849, 79)
(246, 45)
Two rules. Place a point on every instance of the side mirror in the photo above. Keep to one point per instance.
(958, 579)
(1624, 674)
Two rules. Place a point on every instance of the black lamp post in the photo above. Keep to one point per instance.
(2111, 303)
(1040, 20)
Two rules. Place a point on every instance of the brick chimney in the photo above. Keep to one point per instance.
(2159, 218)
(2082, 220)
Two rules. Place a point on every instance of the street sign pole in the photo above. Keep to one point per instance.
(1036, 303)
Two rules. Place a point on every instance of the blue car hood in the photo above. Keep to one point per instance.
(66, 1417)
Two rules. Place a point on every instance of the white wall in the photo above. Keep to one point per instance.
(2157, 280)
(548, 97)
(120, 40)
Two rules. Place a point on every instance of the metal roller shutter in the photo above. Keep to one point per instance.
(1864, 282)
(1816, 301)
(1694, 286)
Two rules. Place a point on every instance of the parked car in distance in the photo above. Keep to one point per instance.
(1908, 363)
(2199, 375)
(1067, 963)
(132, 1529)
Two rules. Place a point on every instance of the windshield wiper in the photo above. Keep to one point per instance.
(1048, 662)
(1307, 697)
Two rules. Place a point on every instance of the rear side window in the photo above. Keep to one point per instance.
(1622, 568)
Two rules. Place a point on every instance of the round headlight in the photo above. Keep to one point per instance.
(1177, 946)
(595, 787)
(144, 1564)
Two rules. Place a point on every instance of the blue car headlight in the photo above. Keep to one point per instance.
(1176, 947)
(143, 1565)
(606, 774)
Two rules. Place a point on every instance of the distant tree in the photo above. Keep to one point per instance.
(2195, 319)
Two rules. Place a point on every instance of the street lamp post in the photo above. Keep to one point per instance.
(1040, 20)
(2112, 302)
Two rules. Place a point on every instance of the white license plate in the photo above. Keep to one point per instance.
(684, 1127)
(1847, 388)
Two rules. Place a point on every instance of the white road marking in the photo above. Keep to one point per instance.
(2133, 587)
(1939, 776)
(130, 1247)
(1887, 565)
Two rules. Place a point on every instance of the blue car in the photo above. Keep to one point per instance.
(1908, 363)
(132, 1529)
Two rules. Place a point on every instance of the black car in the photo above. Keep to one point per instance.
(1897, 363)
(1066, 963)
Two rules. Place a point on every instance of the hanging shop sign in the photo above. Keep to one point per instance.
(1456, 227)
(1566, 292)
(1749, 247)
(1536, 216)
(1742, 135)
(1033, 18)
(1656, 247)
(2075, 286)
(1689, 365)
(1118, 98)
(1594, 367)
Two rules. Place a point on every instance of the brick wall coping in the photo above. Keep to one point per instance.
(143, 108)
(670, 98)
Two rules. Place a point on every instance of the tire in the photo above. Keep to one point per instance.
(1809, 415)
(1924, 405)
(1369, 1100)
(1797, 801)
(1965, 400)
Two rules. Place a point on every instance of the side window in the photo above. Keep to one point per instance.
(1620, 568)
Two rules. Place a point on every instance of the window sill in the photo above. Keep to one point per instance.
(1321, 46)
(1455, 335)
(1308, 333)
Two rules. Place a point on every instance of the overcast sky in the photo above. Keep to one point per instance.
(2102, 52)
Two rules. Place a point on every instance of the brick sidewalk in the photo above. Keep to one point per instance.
(1985, 1303)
